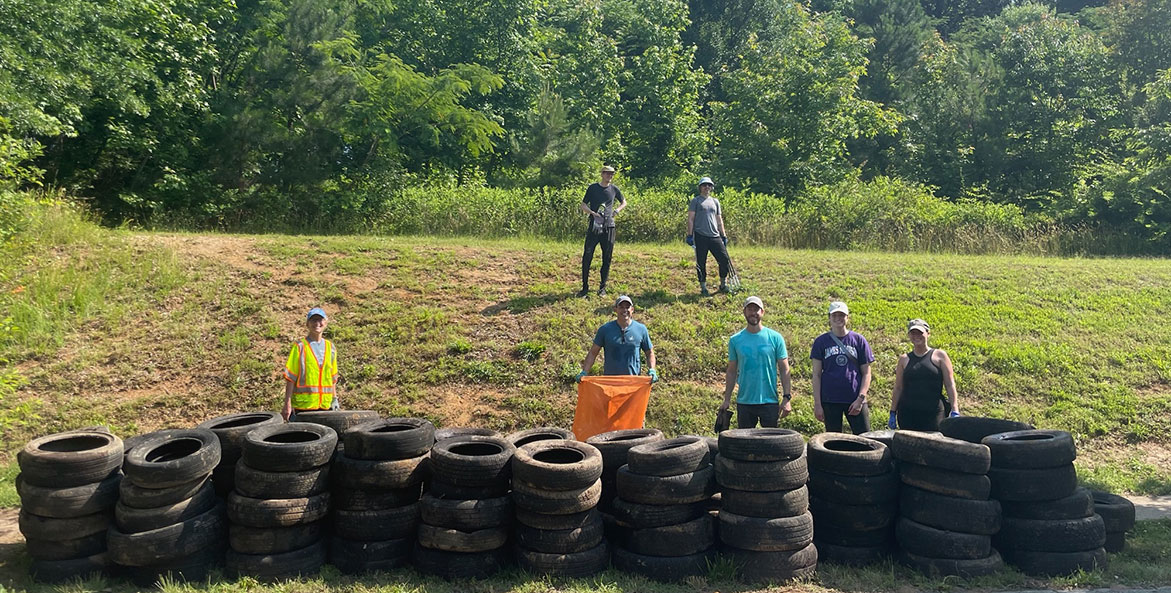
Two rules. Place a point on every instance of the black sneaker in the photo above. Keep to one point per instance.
(704, 292)
(723, 289)
(585, 292)
(602, 291)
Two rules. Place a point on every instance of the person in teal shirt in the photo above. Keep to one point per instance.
(756, 357)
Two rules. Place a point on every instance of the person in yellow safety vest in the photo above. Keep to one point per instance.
(311, 371)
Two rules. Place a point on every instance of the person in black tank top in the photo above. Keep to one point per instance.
(922, 376)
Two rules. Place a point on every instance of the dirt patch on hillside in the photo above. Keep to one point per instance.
(11, 541)
(465, 405)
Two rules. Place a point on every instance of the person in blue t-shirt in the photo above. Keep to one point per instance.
(756, 356)
(841, 374)
(621, 340)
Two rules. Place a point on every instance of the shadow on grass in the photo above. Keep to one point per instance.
(524, 304)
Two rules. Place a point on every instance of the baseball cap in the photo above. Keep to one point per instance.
(707, 180)
(754, 300)
(316, 311)
(918, 324)
(836, 306)
(623, 298)
(607, 169)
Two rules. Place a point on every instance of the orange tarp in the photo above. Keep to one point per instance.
(610, 402)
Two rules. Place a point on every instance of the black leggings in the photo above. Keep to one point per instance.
(859, 423)
(920, 419)
(747, 415)
(716, 246)
(606, 240)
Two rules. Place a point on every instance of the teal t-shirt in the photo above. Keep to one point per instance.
(756, 356)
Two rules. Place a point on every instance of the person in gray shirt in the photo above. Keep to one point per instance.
(705, 232)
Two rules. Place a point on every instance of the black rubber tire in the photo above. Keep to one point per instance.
(952, 567)
(1115, 541)
(1078, 505)
(973, 429)
(353, 499)
(443, 434)
(1031, 449)
(456, 565)
(560, 541)
(70, 459)
(1060, 535)
(1117, 512)
(472, 460)
(356, 557)
(339, 420)
(60, 529)
(60, 571)
(616, 444)
(947, 483)
(168, 543)
(80, 547)
(138, 497)
(71, 501)
(362, 474)
(669, 569)
(455, 540)
(547, 521)
(172, 457)
(557, 465)
(848, 455)
(1054, 564)
(640, 516)
(669, 457)
(393, 438)
(230, 430)
(441, 489)
(761, 444)
(766, 535)
(556, 502)
(855, 517)
(223, 478)
(924, 540)
(521, 438)
(780, 503)
(466, 515)
(885, 437)
(979, 517)
(941, 452)
(759, 476)
(370, 526)
(290, 447)
(854, 489)
(191, 569)
(573, 565)
(270, 568)
(273, 540)
(294, 484)
(1025, 485)
(277, 512)
(850, 555)
(132, 520)
(693, 487)
(884, 537)
(773, 567)
(681, 539)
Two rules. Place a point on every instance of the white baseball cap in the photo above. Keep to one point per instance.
(707, 180)
(837, 306)
(754, 300)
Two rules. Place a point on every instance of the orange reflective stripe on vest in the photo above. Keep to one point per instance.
(313, 389)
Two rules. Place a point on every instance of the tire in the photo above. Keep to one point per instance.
(973, 429)
(1026, 485)
(854, 489)
(1031, 449)
(306, 561)
(947, 483)
(924, 540)
(852, 516)
(547, 521)
(979, 517)
(472, 461)
(774, 567)
(455, 540)
(759, 476)
(277, 512)
(191, 569)
(393, 438)
(1078, 505)
(60, 571)
(781, 503)
(454, 565)
(339, 420)
(682, 539)
(766, 535)
(693, 487)
(257, 483)
(1115, 541)
(941, 452)
(885, 437)
(441, 489)
(952, 567)
(370, 526)
(848, 455)
(80, 547)
(1054, 564)
(560, 541)
(352, 499)
(761, 444)
(70, 459)
(230, 430)
(573, 565)
(168, 543)
(291, 447)
(56, 529)
(664, 568)
(443, 434)
(223, 478)
(641, 516)
(874, 538)
(669, 457)
(138, 497)
(1063, 535)
(355, 557)
(466, 515)
(556, 502)
(362, 474)
(616, 444)
(557, 465)
(851, 555)
(172, 457)
(132, 520)
(71, 501)
(273, 540)
(1117, 512)
(521, 438)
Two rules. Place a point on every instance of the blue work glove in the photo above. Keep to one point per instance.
(953, 414)
(654, 375)
(893, 422)
(690, 240)
(579, 376)
(725, 240)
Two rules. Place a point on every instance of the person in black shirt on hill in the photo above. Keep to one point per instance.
(602, 201)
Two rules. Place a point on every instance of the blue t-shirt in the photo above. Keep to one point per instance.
(756, 356)
(621, 347)
(840, 377)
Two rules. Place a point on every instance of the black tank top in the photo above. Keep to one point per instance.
(922, 383)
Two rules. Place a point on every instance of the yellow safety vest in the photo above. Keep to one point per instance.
(312, 379)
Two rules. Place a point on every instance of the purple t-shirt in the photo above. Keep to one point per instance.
(840, 378)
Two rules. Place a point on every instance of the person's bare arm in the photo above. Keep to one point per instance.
(287, 408)
(816, 379)
(949, 379)
(897, 394)
(592, 355)
(863, 390)
(691, 222)
(786, 386)
(729, 383)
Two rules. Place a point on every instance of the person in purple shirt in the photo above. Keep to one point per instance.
(841, 374)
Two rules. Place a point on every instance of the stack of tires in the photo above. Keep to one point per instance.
(664, 529)
(614, 446)
(855, 505)
(377, 482)
(947, 519)
(168, 517)
(466, 472)
(1050, 527)
(280, 500)
(973, 429)
(1118, 517)
(339, 420)
(231, 430)
(68, 484)
(556, 485)
(521, 438)
(765, 525)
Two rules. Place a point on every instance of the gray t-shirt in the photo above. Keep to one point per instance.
(707, 215)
